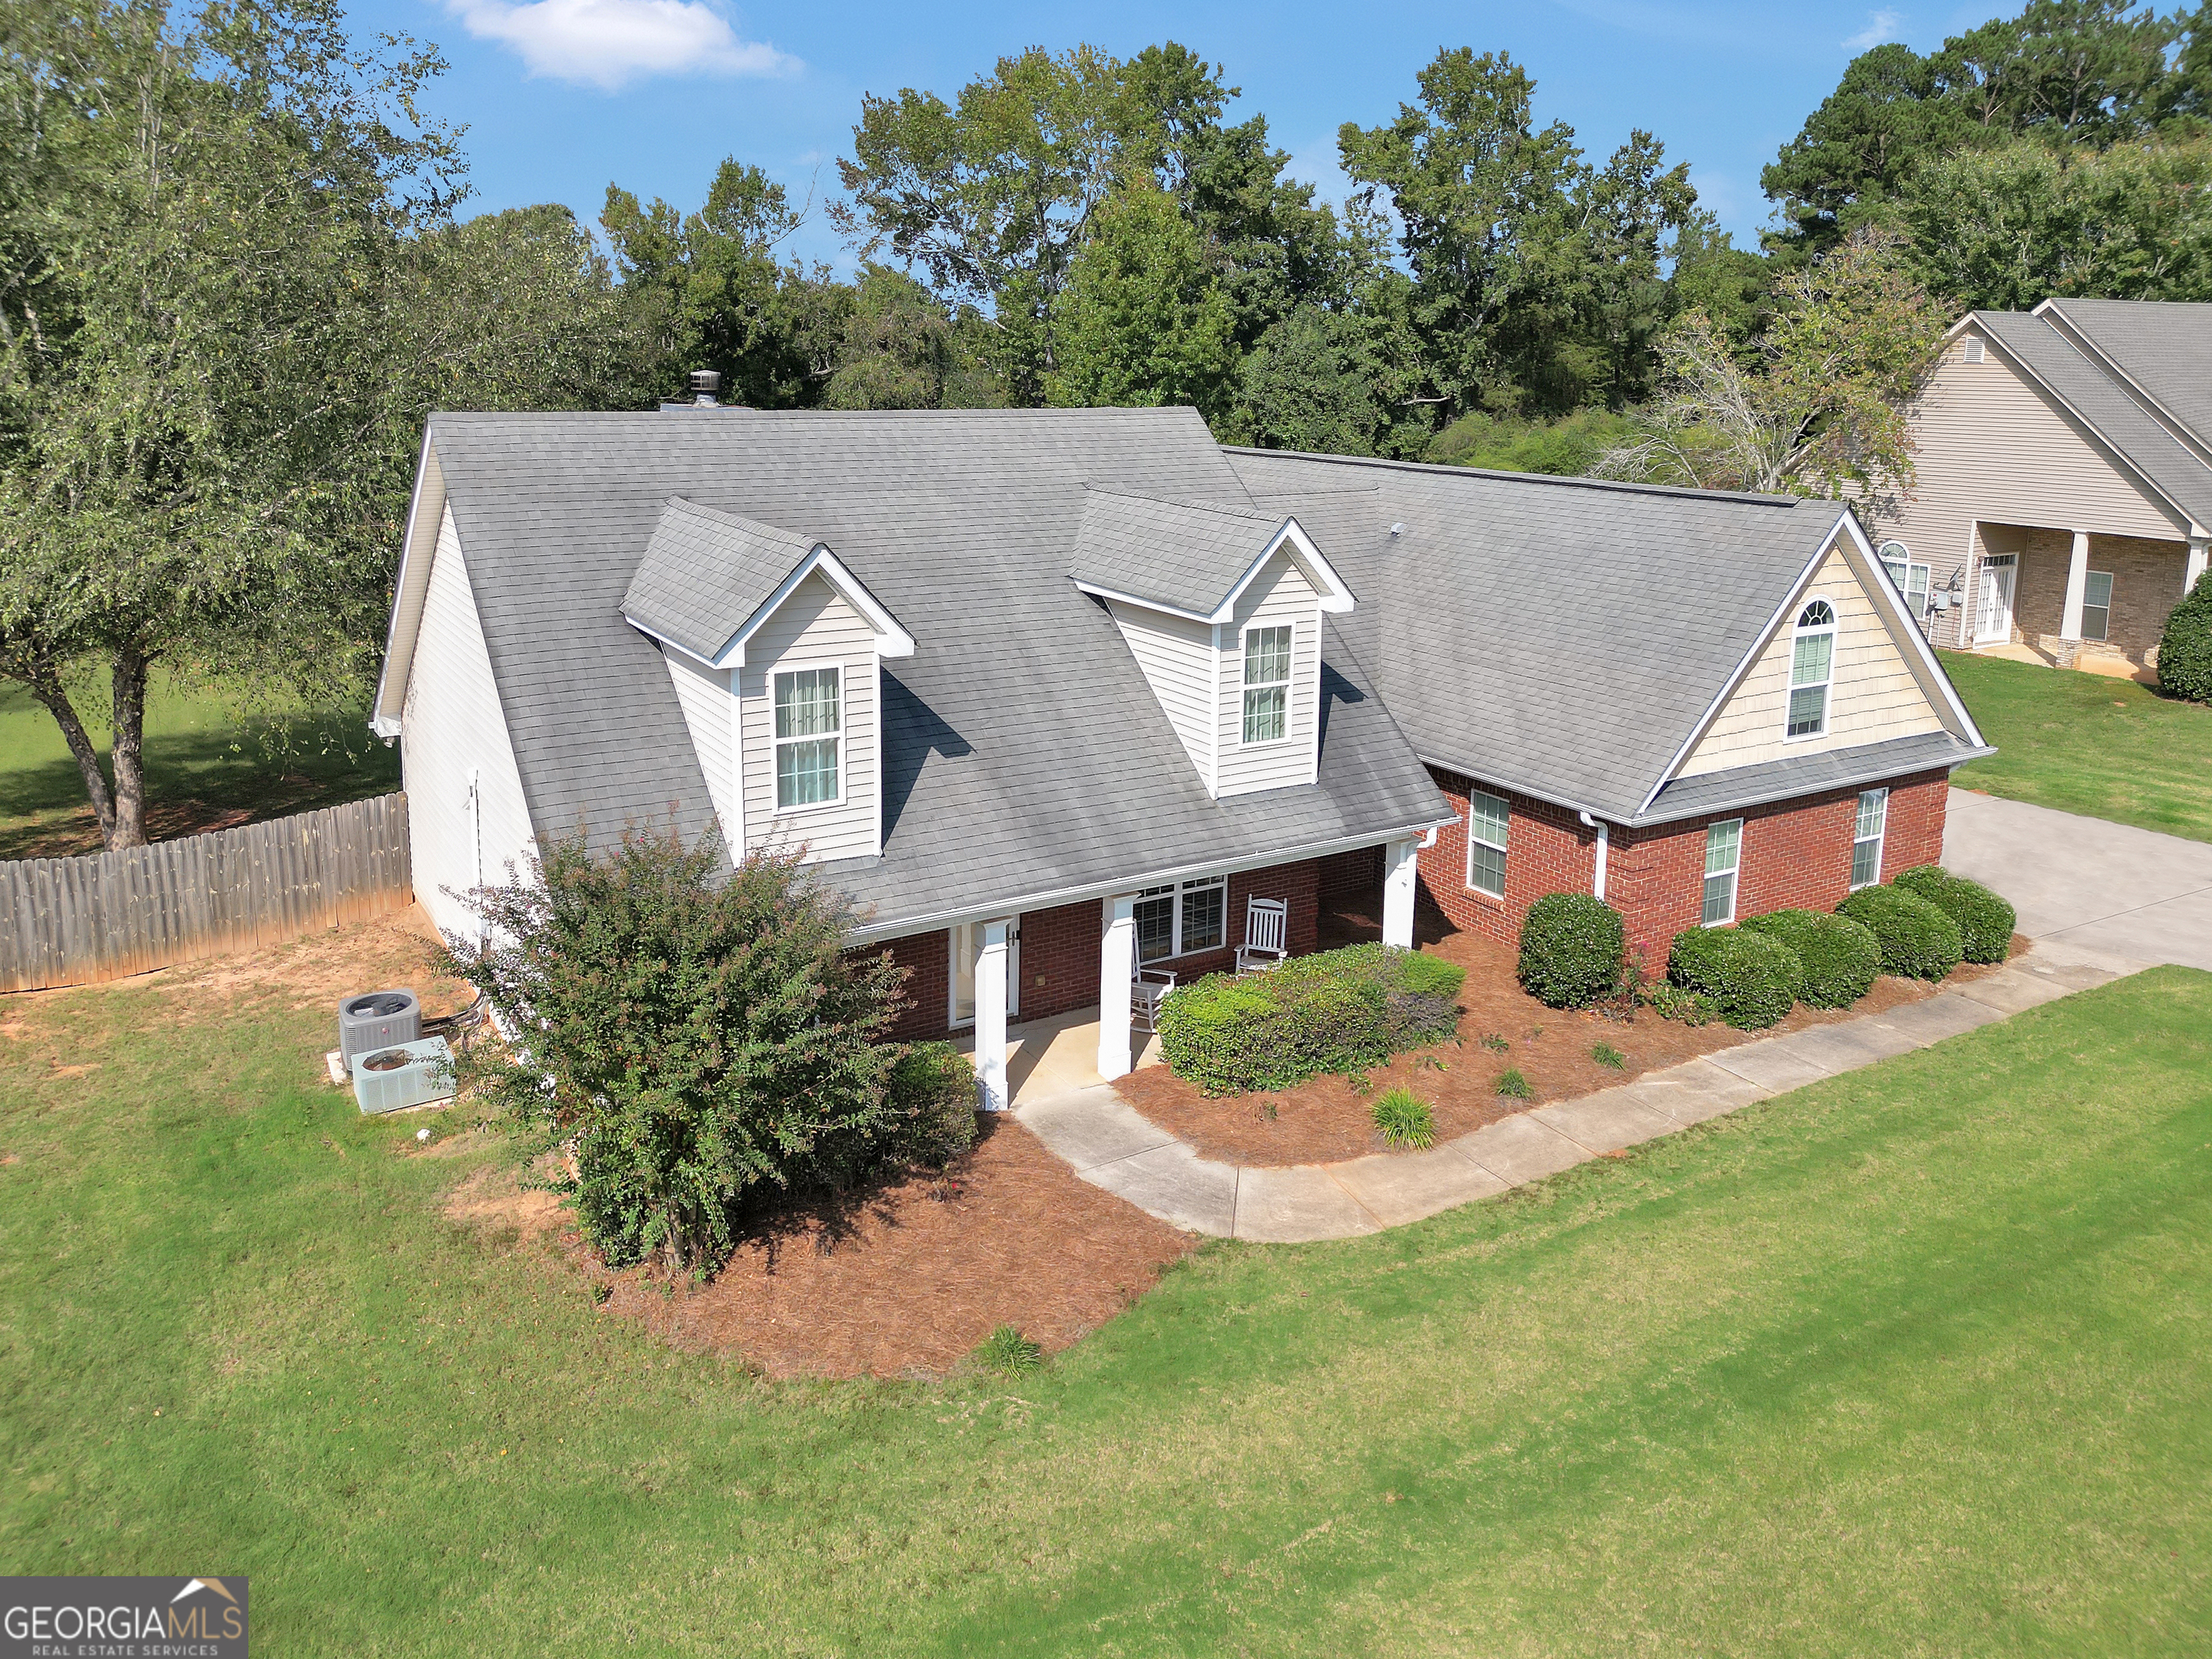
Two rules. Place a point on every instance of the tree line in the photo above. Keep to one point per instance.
(236, 275)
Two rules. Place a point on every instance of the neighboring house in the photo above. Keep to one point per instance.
(1059, 694)
(2064, 481)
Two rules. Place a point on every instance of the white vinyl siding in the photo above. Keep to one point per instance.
(453, 723)
(703, 693)
(1874, 692)
(813, 627)
(1278, 597)
(1177, 657)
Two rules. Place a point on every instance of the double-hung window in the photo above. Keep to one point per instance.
(1723, 850)
(807, 723)
(1866, 837)
(1178, 921)
(1487, 819)
(2097, 606)
(1912, 579)
(1812, 665)
(1267, 685)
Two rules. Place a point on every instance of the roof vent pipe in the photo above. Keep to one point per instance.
(705, 383)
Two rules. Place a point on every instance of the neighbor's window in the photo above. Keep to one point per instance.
(1723, 846)
(806, 727)
(1174, 921)
(2097, 606)
(1866, 838)
(1812, 660)
(1912, 579)
(1267, 685)
(1488, 818)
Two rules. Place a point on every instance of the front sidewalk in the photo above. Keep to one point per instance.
(1112, 1146)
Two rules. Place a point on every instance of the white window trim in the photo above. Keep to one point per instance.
(1289, 679)
(775, 743)
(1504, 849)
(1176, 951)
(1734, 873)
(1827, 686)
(2110, 585)
(1911, 566)
(1880, 838)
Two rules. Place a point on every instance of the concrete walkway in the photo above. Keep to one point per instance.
(1111, 1145)
(2086, 882)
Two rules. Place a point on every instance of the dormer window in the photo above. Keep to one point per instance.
(1812, 665)
(1267, 685)
(807, 772)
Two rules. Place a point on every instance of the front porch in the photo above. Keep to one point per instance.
(2077, 599)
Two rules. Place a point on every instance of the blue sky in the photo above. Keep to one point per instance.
(561, 96)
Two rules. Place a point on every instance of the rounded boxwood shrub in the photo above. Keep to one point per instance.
(1918, 940)
(1752, 978)
(1985, 921)
(1840, 957)
(2184, 650)
(931, 1097)
(1571, 947)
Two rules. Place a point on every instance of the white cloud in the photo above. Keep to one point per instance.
(1881, 25)
(610, 43)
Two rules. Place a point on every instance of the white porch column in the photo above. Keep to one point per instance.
(2077, 588)
(1401, 863)
(1117, 965)
(991, 1014)
(2195, 567)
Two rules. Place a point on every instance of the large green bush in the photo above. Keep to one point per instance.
(1571, 949)
(1985, 921)
(1918, 940)
(2185, 651)
(1338, 1011)
(1752, 978)
(932, 1100)
(1839, 955)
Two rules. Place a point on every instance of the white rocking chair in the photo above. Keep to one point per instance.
(1148, 989)
(1267, 923)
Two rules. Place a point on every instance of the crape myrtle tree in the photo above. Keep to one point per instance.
(686, 1039)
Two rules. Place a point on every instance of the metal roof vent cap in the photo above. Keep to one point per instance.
(706, 383)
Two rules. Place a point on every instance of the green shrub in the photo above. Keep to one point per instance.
(2185, 651)
(1405, 1120)
(1511, 1084)
(1839, 955)
(1007, 1351)
(1608, 1056)
(1918, 940)
(1340, 1010)
(1571, 950)
(1754, 981)
(1692, 1008)
(932, 1100)
(1985, 921)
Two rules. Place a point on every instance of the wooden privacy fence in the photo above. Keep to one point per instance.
(76, 921)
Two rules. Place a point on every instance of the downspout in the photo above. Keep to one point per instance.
(1597, 883)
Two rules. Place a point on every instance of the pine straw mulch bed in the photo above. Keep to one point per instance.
(1325, 1120)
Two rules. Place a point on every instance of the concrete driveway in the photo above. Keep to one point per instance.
(2085, 882)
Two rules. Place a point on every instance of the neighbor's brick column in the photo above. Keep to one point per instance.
(1548, 851)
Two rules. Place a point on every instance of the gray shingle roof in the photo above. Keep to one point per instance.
(2164, 347)
(2112, 411)
(1024, 754)
(1561, 637)
(1808, 774)
(1184, 555)
(704, 574)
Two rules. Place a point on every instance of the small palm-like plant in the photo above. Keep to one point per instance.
(1609, 1057)
(1008, 1351)
(1405, 1120)
(1511, 1084)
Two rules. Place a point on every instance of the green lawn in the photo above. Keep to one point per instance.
(204, 758)
(1909, 1363)
(2081, 743)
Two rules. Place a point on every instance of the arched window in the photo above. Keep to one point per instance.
(1812, 665)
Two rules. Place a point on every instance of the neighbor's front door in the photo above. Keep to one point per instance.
(1994, 626)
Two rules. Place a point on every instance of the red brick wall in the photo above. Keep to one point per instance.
(1059, 958)
(1548, 851)
(1353, 880)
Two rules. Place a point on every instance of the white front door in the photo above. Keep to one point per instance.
(967, 945)
(1994, 625)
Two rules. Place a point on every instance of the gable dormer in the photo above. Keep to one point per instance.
(774, 649)
(1222, 608)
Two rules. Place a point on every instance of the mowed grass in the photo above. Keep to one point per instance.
(201, 748)
(1912, 1362)
(2081, 743)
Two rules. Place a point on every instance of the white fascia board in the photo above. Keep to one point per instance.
(1335, 591)
(406, 619)
(1161, 605)
(663, 640)
(1902, 614)
(892, 640)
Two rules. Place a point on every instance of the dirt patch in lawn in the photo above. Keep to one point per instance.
(383, 953)
(1326, 1119)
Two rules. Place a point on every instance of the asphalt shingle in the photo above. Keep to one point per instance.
(704, 574)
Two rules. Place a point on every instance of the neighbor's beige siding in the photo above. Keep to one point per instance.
(1177, 657)
(1875, 693)
(813, 627)
(1994, 449)
(1280, 595)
